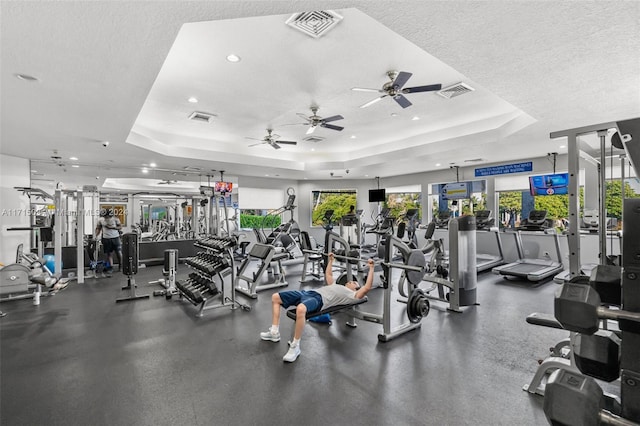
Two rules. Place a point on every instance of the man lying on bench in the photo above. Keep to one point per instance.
(313, 301)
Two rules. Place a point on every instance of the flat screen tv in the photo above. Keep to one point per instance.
(223, 187)
(551, 184)
(455, 191)
(377, 195)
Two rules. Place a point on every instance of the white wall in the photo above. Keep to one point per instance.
(14, 207)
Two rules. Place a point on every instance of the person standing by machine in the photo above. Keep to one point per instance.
(109, 226)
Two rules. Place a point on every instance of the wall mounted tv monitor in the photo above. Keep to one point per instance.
(455, 191)
(551, 184)
(223, 186)
(377, 195)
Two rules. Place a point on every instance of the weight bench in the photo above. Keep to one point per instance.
(291, 313)
(266, 254)
(561, 355)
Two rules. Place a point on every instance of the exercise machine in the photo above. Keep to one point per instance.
(456, 286)
(571, 398)
(130, 267)
(417, 307)
(27, 278)
(488, 242)
(539, 257)
(169, 271)
(265, 254)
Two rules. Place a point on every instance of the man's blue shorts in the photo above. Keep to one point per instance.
(311, 299)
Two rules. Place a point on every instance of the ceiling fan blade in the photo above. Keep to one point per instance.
(429, 88)
(362, 89)
(311, 129)
(401, 79)
(256, 144)
(373, 101)
(299, 114)
(333, 118)
(402, 101)
(275, 145)
(287, 142)
(253, 139)
(331, 126)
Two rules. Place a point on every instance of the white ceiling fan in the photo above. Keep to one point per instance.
(272, 140)
(396, 90)
(314, 120)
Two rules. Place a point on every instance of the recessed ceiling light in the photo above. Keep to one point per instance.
(233, 58)
(266, 175)
(73, 158)
(353, 136)
(193, 100)
(145, 170)
(366, 175)
(562, 146)
(393, 114)
(438, 164)
(152, 164)
(34, 171)
(313, 149)
(415, 118)
(74, 165)
(26, 77)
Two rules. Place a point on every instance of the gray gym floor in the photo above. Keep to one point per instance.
(81, 359)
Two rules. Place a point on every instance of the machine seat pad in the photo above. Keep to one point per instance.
(291, 313)
(545, 320)
(280, 256)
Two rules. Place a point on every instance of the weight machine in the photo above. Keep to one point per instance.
(455, 286)
(413, 266)
(574, 398)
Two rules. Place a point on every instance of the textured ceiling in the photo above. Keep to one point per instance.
(562, 64)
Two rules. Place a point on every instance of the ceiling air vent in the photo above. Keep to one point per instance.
(474, 160)
(314, 23)
(201, 116)
(455, 90)
(313, 139)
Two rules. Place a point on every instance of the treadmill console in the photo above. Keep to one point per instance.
(483, 219)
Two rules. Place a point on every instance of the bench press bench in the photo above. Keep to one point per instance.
(291, 313)
(561, 355)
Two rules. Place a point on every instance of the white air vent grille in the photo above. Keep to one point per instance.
(474, 160)
(313, 139)
(314, 23)
(455, 90)
(201, 116)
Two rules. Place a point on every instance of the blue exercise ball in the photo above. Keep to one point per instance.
(50, 263)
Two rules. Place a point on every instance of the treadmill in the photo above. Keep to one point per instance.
(532, 266)
(488, 240)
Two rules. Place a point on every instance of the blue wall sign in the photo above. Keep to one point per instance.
(505, 169)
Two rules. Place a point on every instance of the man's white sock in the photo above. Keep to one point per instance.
(275, 329)
(295, 342)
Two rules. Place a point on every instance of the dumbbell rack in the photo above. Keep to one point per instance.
(215, 260)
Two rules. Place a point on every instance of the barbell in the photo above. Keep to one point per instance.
(414, 265)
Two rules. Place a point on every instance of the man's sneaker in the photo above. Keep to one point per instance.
(268, 335)
(292, 354)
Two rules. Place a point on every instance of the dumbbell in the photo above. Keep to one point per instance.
(573, 399)
(194, 290)
(578, 308)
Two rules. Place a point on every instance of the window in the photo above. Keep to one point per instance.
(338, 200)
(399, 202)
